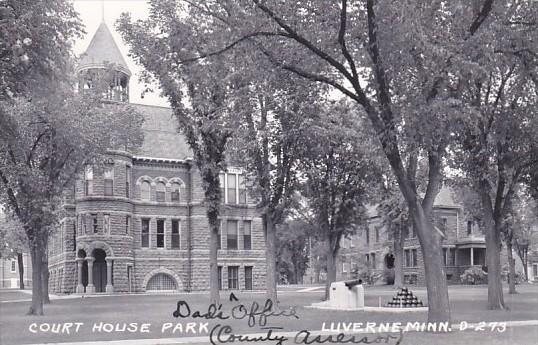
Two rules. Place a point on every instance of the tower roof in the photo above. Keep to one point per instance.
(101, 51)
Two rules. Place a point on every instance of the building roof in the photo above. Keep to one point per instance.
(445, 198)
(103, 51)
(161, 138)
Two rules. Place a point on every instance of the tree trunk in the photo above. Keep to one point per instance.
(214, 294)
(398, 260)
(36, 254)
(434, 270)
(45, 277)
(493, 255)
(270, 259)
(20, 262)
(331, 269)
(511, 268)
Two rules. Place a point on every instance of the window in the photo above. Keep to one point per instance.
(127, 225)
(175, 192)
(444, 256)
(377, 234)
(367, 235)
(109, 180)
(231, 188)
(160, 233)
(535, 271)
(220, 277)
(145, 191)
(231, 233)
(248, 277)
(247, 234)
(233, 277)
(175, 234)
(88, 180)
(345, 267)
(161, 192)
(75, 236)
(161, 281)
(469, 227)
(84, 224)
(94, 223)
(127, 181)
(414, 257)
(242, 189)
(13, 266)
(373, 260)
(412, 233)
(145, 233)
(106, 224)
(443, 225)
(368, 260)
(407, 258)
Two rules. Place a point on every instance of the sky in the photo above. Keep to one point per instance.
(91, 14)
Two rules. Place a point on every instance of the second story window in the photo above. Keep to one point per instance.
(219, 236)
(377, 234)
(127, 225)
(247, 234)
(94, 223)
(108, 177)
(469, 227)
(175, 234)
(231, 189)
(128, 181)
(161, 192)
(88, 180)
(145, 191)
(367, 235)
(106, 224)
(160, 233)
(242, 189)
(144, 239)
(232, 234)
(174, 197)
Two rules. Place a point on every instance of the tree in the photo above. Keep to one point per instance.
(498, 138)
(202, 94)
(407, 54)
(44, 144)
(338, 167)
(35, 44)
(12, 243)
(292, 249)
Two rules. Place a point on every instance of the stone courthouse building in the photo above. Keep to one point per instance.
(463, 245)
(139, 223)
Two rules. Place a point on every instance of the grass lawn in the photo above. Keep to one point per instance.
(467, 304)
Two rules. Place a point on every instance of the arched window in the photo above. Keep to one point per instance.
(161, 192)
(145, 190)
(161, 281)
(88, 180)
(175, 192)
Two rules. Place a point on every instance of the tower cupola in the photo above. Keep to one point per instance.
(103, 62)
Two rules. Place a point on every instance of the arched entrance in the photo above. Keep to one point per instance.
(389, 261)
(389, 269)
(99, 270)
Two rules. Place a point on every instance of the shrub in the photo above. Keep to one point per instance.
(473, 276)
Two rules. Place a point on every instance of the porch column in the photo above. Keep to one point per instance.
(80, 287)
(90, 288)
(109, 287)
(472, 256)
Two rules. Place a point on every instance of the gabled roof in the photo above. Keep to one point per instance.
(161, 138)
(103, 51)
